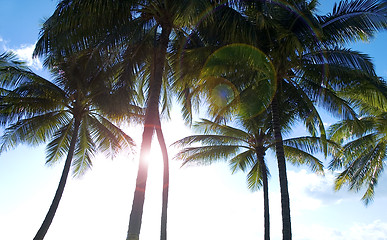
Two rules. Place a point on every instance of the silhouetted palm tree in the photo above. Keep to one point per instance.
(245, 149)
(66, 112)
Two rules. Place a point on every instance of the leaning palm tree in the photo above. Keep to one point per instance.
(67, 112)
(364, 142)
(245, 149)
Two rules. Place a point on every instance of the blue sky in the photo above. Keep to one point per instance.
(205, 202)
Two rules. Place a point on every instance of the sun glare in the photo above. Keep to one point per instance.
(154, 159)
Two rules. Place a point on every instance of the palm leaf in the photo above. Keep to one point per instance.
(84, 150)
(354, 20)
(207, 154)
(33, 130)
(243, 161)
(298, 157)
(59, 144)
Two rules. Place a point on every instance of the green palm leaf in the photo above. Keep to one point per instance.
(243, 161)
(354, 20)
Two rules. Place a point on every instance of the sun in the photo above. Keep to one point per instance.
(154, 160)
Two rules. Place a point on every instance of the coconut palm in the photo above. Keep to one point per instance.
(288, 31)
(308, 43)
(141, 31)
(310, 62)
(245, 149)
(364, 142)
(67, 112)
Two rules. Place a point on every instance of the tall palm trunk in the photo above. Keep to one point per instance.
(58, 195)
(150, 124)
(283, 180)
(265, 183)
(164, 210)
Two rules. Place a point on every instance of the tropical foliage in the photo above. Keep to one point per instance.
(363, 157)
(245, 150)
(309, 60)
(66, 113)
(277, 60)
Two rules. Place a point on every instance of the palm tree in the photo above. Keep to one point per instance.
(252, 88)
(310, 62)
(65, 112)
(299, 43)
(364, 141)
(310, 42)
(141, 31)
(245, 149)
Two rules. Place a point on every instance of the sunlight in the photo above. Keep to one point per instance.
(154, 156)
(154, 160)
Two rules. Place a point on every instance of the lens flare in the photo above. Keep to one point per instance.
(222, 95)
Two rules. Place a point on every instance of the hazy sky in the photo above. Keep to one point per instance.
(205, 202)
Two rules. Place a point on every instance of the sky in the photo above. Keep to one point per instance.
(206, 202)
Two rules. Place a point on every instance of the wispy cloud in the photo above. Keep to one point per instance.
(3, 44)
(24, 53)
(312, 191)
(376, 230)
(313, 198)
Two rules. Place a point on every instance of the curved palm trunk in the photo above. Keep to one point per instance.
(164, 210)
(283, 180)
(139, 193)
(265, 186)
(151, 123)
(58, 195)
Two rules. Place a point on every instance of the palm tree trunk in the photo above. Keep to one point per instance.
(279, 148)
(164, 210)
(265, 186)
(150, 124)
(139, 193)
(58, 195)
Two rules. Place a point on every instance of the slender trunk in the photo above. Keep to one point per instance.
(58, 195)
(262, 167)
(151, 123)
(164, 211)
(279, 148)
(139, 193)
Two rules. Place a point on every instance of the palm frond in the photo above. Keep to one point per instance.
(208, 127)
(59, 144)
(298, 157)
(33, 131)
(254, 178)
(243, 161)
(354, 20)
(84, 150)
(109, 138)
(363, 170)
(210, 140)
(207, 154)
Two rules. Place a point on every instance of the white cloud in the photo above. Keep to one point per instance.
(317, 189)
(24, 53)
(2, 44)
(310, 191)
(318, 211)
(376, 230)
